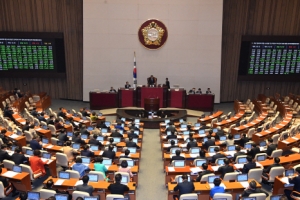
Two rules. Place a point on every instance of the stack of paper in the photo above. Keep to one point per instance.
(171, 169)
(80, 182)
(195, 170)
(245, 184)
(59, 182)
(10, 174)
(215, 168)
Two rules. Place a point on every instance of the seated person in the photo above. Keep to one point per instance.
(99, 167)
(204, 172)
(177, 156)
(219, 133)
(81, 168)
(268, 169)
(50, 120)
(185, 187)
(41, 117)
(18, 158)
(112, 90)
(238, 153)
(171, 127)
(116, 133)
(209, 142)
(69, 151)
(86, 151)
(49, 186)
(126, 154)
(192, 91)
(208, 91)
(191, 143)
(109, 153)
(253, 151)
(35, 143)
(252, 189)
(248, 166)
(130, 143)
(94, 117)
(124, 168)
(26, 126)
(85, 187)
(204, 126)
(76, 138)
(133, 127)
(217, 155)
(132, 134)
(117, 187)
(296, 181)
(226, 168)
(34, 113)
(5, 139)
(94, 141)
(201, 154)
(84, 112)
(83, 129)
(62, 136)
(244, 139)
(217, 188)
(173, 144)
(36, 163)
(152, 81)
(172, 136)
(127, 85)
(58, 125)
(61, 113)
(271, 147)
(119, 126)
(230, 140)
(3, 153)
(199, 91)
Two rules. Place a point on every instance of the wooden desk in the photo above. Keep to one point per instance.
(228, 122)
(20, 140)
(208, 119)
(255, 123)
(293, 159)
(203, 102)
(280, 186)
(103, 100)
(21, 181)
(289, 143)
(43, 132)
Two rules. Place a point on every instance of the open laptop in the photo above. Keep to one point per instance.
(275, 197)
(231, 148)
(242, 177)
(84, 136)
(100, 114)
(130, 163)
(137, 125)
(248, 198)
(220, 161)
(86, 160)
(132, 149)
(70, 134)
(124, 180)
(289, 172)
(90, 128)
(13, 147)
(45, 140)
(247, 146)
(242, 160)
(104, 130)
(201, 132)
(236, 136)
(186, 132)
(205, 140)
(91, 198)
(180, 179)
(197, 125)
(19, 132)
(135, 140)
(137, 121)
(64, 175)
(137, 132)
(76, 146)
(199, 163)
(46, 155)
(67, 122)
(107, 162)
(212, 178)
(121, 132)
(29, 152)
(17, 169)
(100, 138)
(117, 139)
(93, 177)
(33, 196)
(61, 196)
(179, 163)
(261, 158)
(223, 138)
(167, 121)
(211, 149)
(215, 130)
(181, 120)
(45, 127)
(94, 147)
(263, 143)
(183, 126)
(174, 150)
(194, 151)
(60, 143)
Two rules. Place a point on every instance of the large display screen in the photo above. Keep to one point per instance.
(31, 54)
(270, 58)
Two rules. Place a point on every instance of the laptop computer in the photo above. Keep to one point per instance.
(197, 125)
(100, 114)
(137, 132)
(33, 196)
(183, 126)
(194, 151)
(64, 175)
(104, 130)
(45, 140)
(76, 146)
(212, 178)
(180, 179)
(70, 134)
(181, 120)
(45, 127)
(17, 169)
(259, 129)
(201, 132)
(90, 128)
(179, 163)
(61, 196)
(107, 162)
(93, 177)
(223, 138)
(130, 163)
(248, 198)
(13, 147)
(120, 198)
(121, 132)
(100, 138)
(211, 149)
(263, 143)
(247, 146)
(167, 121)
(124, 180)
(261, 158)
(135, 140)
(168, 132)
(84, 136)
(242, 160)
(275, 197)
(86, 160)
(137, 121)
(205, 140)
(231, 148)
(199, 163)
(242, 177)
(137, 125)
(186, 132)
(173, 150)
(83, 118)
(220, 161)
(289, 172)
(29, 152)
(19, 132)
(215, 130)
(117, 139)
(67, 122)
(237, 136)
(46, 155)
(132, 149)
(123, 119)
(91, 198)
(94, 147)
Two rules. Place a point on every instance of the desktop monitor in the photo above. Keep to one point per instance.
(205, 139)
(137, 132)
(215, 130)
(136, 121)
(107, 162)
(263, 143)
(121, 132)
(67, 122)
(275, 197)
(220, 198)
(61, 196)
(168, 132)
(231, 148)
(242, 160)
(186, 132)
(247, 146)
(93, 177)
(132, 149)
(135, 140)
(212, 178)
(84, 136)
(181, 120)
(237, 136)
(180, 179)
(33, 196)
(242, 177)
(46, 155)
(124, 180)
(223, 138)
(17, 169)
(64, 175)
(220, 161)
(201, 132)
(94, 147)
(60, 143)
(211, 149)
(289, 172)
(130, 163)
(248, 198)
(45, 127)
(76, 146)
(29, 152)
(91, 198)
(86, 160)
(117, 139)
(199, 163)
(261, 158)
(90, 128)
(179, 163)
(167, 121)
(45, 140)
(70, 134)
(173, 150)
(197, 125)
(100, 138)
(194, 150)
(183, 126)
(104, 130)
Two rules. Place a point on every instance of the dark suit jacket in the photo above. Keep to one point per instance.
(132, 144)
(219, 134)
(4, 139)
(127, 86)
(25, 128)
(171, 128)
(109, 154)
(133, 135)
(191, 144)
(215, 157)
(296, 182)
(270, 149)
(209, 143)
(4, 181)
(77, 140)
(247, 192)
(87, 153)
(184, 188)
(202, 174)
(151, 81)
(116, 134)
(225, 169)
(61, 114)
(253, 152)
(63, 137)
(238, 154)
(248, 166)
(50, 121)
(177, 158)
(95, 142)
(118, 188)
(85, 188)
(4, 155)
(34, 113)
(35, 145)
(243, 141)
(268, 169)
(41, 119)
(171, 137)
(18, 158)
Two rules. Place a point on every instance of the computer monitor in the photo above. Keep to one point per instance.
(115, 149)
(220, 198)
(205, 140)
(104, 130)
(120, 199)
(100, 138)
(83, 118)
(45, 140)
(121, 132)
(194, 150)
(124, 180)
(231, 148)
(237, 136)
(201, 132)
(199, 163)
(263, 143)
(261, 158)
(86, 160)
(137, 125)
(107, 162)
(70, 134)
(67, 122)
(242, 177)
(211, 149)
(186, 132)
(181, 120)
(275, 197)
(173, 150)
(136, 121)
(212, 178)
(130, 163)
(167, 121)
(135, 140)
(29, 152)
(220, 161)
(13, 147)
(60, 143)
(180, 179)
(76, 146)
(33, 196)
(117, 139)
(93, 177)
(197, 125)
(183, 126)
(46, 155)
(94, 147)
(247, 146)
(168, 132)
(215, 130)
(45, 127)
(248, 198)
(84, 136)
(123, 119)
(91, 198)
(64, 175)
(289, 172)
(90, 128)
(61, 196)
(242, 160)
(132, 149)
(17, 169)
(179, 163)
(223, 138)
(137, 132)
(100, 114)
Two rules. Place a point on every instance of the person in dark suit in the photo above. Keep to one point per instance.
(84, 112)
(209, 142)
(26, 126)
(244, 140)
(41, 117)
(61, 113)
(296, 181)
(18, 158)
(58, 125)
(3, 154)
(151, 81)
(171, 127)
(204, 172)
(191, 143)
(254, 150)
(117, 187)
(127, 85)
(192, 91)
(173, 145)
(34, 112)
(130, 143)
(208, 91)
(184, 187)
(167, 83)
(109, 153)
(219, 133)
(238, 153)
(132, 134)
(203, 126)
(126, 154)
(252, 189)
(172, 136)
(116, 133)
(94, 141)
(177, 156)
(248, 166)
(201, 154)
(86, 151)
(85, 187)
(225, 169)
(62, 136)
(217, 155)
(51, 120)
(8, 112)
(83, 130)
(35, 143)
(276, 164)
(199, 91)
(3, 137)
(76, 138)
(133, 127)
(271, 147)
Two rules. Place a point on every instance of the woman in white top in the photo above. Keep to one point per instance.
(230, 140)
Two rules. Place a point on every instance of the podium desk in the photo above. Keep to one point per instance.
(100, 100)
(151, 92)
(151, 104)
(127, 97)
(21, 181)
(204, 102)
(176, 98)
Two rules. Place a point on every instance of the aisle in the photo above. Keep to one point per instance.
(151, 175)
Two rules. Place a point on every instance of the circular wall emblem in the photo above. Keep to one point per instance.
(153, 34)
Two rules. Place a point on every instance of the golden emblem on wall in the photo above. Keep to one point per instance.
(153, 34)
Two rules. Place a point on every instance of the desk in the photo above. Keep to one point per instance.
(176, 98)
(254, 123)
(280, 186)
(204, 102)
(127, 97)
(289, 143)
(152, 92)
(20, 140)
(21, 181)
(208, 119)
(228, 122)
(293, 159)
(103, 100)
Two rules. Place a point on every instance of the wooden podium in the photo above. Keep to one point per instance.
(151, 104)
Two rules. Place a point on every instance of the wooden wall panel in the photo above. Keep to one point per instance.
(48, 16)
(254, 17)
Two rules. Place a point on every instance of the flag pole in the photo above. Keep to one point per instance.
(134, 72)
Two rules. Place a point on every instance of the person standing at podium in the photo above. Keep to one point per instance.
(127, 85)
(167, 83)
(151, 81)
